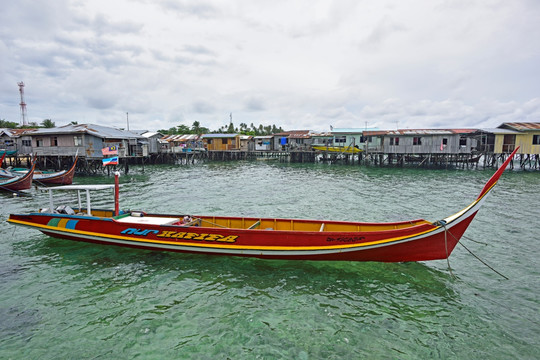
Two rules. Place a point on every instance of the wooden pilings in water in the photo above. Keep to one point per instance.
(91, 166)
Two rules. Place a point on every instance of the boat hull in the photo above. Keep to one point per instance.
(19, 183)
(338, 149)
(424, 241)
(63, 177)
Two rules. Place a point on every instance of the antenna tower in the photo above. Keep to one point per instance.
(23, 104)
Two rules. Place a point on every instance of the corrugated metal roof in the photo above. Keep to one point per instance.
(499, 131)
(263, 137)
(150, 134)
(522, 126)
(299, 136)
(15, 132)
(180, 137)
(218, 136)
(412, 132)
(100, 131)
(293, 133)
(352, 130)
(463, 131)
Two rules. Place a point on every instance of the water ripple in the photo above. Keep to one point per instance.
(61, 298)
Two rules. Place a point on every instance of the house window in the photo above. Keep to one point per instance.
(417, 140)
(445, 141)
(54, 141)
(224, 141)
(27, 143)
(77, 140)
(8, 142)
(394, 141)
(536, 140)
(462, 141)
(341, 139)
(39, 142)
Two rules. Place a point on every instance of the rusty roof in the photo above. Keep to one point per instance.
(15, 132)
(299, 136)
(413, 132)
(179, 137)
(521, 126)
(294, 132)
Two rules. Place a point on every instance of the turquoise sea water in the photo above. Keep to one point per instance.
(64, 299)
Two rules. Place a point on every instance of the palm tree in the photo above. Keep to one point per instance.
(48, 123)
(196, 127)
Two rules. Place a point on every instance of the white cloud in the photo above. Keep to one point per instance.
(302, 64)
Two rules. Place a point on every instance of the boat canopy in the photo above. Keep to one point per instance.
(78, 188)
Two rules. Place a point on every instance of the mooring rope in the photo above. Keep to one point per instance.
(446, 248)
(483, 262)
(470, 252)
(476, 241)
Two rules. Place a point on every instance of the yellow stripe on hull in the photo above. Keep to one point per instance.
(237, 247)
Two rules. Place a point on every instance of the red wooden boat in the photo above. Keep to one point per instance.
(63, 177)
(19, 183)
(4, 173)
(414, 240)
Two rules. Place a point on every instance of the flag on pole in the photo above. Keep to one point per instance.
(110, 150)
(110, 161)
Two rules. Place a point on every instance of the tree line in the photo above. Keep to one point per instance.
(182, 129)
(243, 128)
(47, 123)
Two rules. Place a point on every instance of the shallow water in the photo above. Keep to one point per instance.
(63, 299)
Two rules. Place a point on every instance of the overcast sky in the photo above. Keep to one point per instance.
(302, 64)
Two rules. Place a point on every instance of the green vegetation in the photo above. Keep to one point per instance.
(182, 129)
(243, 128)
(8, 124)
(47, 123)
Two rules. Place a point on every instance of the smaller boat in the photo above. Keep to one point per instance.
(18, 183)
(63, 177)
(6, 173)
(8, 152)
(339, 149)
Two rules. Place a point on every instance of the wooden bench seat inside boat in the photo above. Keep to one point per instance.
(149, 220)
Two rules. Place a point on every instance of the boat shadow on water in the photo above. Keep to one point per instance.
(281, 276)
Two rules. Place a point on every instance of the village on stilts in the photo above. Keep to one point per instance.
(54, 148)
